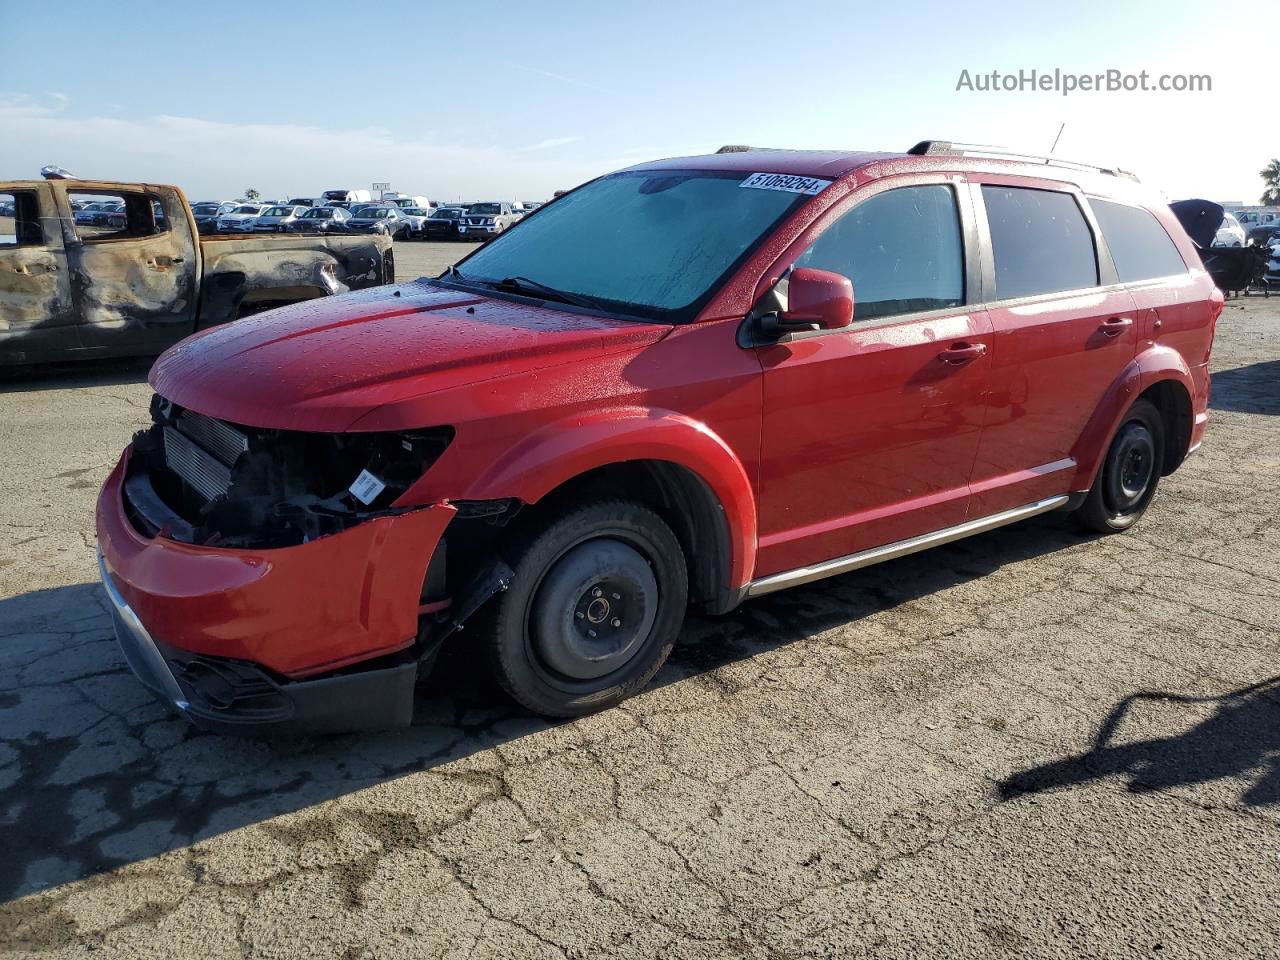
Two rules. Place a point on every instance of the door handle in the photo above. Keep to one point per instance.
(1115, 326)
(961, 353)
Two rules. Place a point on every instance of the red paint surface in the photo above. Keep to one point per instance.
(297, 610)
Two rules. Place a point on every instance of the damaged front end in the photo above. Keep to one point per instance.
(199, 480)
(262, 579)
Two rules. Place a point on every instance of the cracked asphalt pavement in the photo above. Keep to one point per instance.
(1032, 743)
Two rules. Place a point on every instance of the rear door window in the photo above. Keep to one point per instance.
(20, 220)
(112, 216)
(1040, 240)
(1139, 245)
(902, 249)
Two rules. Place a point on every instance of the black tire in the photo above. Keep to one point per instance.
(597, 601)
(1129, 475)
(388, 267)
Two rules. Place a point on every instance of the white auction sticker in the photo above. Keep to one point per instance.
(784, 181)
(367, 487)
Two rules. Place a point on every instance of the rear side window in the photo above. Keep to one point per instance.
(1139, 245)
(902, 249)
(20, 220)
(115, 216)
(1040, 241)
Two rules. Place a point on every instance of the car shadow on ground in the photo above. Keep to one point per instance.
(1240, 740)
(1251, 389)
(95, 774)
(73, 376)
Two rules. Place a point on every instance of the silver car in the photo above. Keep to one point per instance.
(485, 220)
(277, 219)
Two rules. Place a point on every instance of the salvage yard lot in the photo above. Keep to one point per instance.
(1031, 743)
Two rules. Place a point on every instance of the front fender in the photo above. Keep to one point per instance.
(568, 448)
(1152, 365)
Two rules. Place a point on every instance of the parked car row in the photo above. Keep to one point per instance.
(397, 216)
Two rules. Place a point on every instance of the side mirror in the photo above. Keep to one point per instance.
(818, 299)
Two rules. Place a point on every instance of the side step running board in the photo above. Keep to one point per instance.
(891, 551)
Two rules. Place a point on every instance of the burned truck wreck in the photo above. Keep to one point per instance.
(106, 269)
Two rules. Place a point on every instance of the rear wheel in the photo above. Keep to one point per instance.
(594, 609)
(388, 267)
(1130, 473)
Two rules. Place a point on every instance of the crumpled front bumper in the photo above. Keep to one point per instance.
(316, 637)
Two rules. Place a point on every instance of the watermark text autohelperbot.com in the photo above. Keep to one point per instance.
(1065, 83)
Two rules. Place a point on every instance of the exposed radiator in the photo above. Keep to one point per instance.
(222, 440)
(206, 474)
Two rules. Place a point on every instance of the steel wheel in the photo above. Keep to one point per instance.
(1129, 475)
(595, 606)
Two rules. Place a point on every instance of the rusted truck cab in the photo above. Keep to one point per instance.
(74, 285)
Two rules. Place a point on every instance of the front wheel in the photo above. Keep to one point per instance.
(1127, 480)
(594, 609)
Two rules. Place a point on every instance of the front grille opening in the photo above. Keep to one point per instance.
(199, 479)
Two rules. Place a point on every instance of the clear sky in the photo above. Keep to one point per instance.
(514, 99)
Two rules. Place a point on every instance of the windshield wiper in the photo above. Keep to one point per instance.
(525, 285)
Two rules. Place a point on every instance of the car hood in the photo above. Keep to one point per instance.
(323, 364)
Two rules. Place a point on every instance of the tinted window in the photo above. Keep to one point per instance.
(1040, 241)
(902, 250)
(1139, 246)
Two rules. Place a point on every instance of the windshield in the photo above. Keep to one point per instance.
(416, 211)
(318, 213)
(446, 214)
(204, 209)
(247, 209)
(372, 213)
(652, 244)
(277, 212)
(486, 208)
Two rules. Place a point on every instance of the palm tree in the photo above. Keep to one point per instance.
(1271, 177)
(251, 194)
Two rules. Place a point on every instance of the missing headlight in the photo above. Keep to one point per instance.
(250, 487)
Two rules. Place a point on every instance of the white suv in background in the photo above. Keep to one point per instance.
(488, 219)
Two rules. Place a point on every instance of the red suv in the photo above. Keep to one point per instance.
(684, 384)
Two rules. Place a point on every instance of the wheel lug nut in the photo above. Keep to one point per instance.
(579, 614)
(617, 622)
(597, 592)
(616, 596)
(591, 633)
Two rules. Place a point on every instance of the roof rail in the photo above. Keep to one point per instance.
(945, 148)
(735, 148)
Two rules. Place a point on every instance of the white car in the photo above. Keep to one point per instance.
(417, 217)
(1230, 234)
(241, 218)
